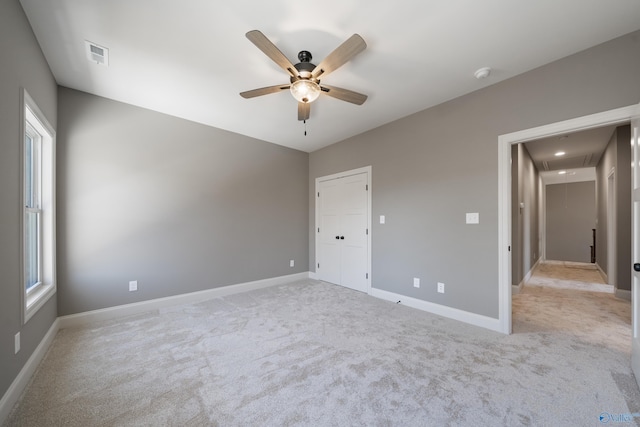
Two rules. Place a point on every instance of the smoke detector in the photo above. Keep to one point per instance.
(96, 53)
(482, 73)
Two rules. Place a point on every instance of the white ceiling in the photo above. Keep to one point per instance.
(191, 59)
(570, 175)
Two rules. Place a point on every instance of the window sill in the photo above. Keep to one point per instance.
(37, 299)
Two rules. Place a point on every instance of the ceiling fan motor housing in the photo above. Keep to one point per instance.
(304, 67)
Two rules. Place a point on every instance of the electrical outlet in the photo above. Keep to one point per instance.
(292, 263)
(441, 287)
(416, 282)
(133, 285)
(16, 343)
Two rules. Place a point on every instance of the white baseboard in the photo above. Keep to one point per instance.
(620, 293)
(623, 294)
(80, 319)
(440, 310)
(602, 273)
(24, 376)
(313, 275)
(515, 289)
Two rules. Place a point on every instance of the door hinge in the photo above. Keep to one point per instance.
(367, 231)
(367, 275)
(366, 187)
(318, 265)
(509, 248)
(318, 194)
(318, 229)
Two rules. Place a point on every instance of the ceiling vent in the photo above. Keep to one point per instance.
(96, 53)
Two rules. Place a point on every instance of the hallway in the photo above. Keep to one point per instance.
(572, 299)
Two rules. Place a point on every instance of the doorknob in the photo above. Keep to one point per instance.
(341, 237)
(636, 266)
(337, 237)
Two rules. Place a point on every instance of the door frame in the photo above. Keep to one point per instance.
(612, 276)
(367, 170)
(635, 242)
(611, 117)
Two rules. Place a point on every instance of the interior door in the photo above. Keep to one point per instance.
(635, 245)
(329, 201)
(354, 234)
(343, 231)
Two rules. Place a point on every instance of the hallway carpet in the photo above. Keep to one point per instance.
(569, 275)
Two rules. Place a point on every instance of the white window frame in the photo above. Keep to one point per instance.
(35, 125)
(33, 204)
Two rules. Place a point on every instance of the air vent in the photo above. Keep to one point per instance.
(96, 53)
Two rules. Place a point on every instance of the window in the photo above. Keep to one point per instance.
(38, 196)
(32, 209)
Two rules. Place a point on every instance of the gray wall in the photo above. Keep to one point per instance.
(570, 219)
(606, 163)
(22, 66)
(176, 205)
(617, 156)
(623, 209)
(525, 188)
(430, 168)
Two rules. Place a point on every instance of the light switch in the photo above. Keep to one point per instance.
(382, 219)
(473, 218)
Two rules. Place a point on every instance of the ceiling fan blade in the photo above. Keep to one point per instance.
(343, 53)
(344, 94)
(272, 51)
(304, 108)
(263, 91)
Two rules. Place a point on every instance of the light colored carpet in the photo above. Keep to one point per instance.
(315, 354)
(569, 275)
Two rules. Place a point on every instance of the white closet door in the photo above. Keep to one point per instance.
(343, 233)
(330, 200)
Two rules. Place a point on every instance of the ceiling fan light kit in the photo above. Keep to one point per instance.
(304, 77)
(305, 90)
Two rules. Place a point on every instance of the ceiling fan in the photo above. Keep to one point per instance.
(305, 77)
